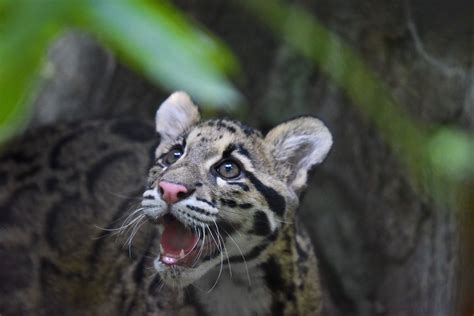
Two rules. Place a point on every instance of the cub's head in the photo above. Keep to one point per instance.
(220, 190)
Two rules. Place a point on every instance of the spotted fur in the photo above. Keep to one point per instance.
(65, 190)
(264, 263)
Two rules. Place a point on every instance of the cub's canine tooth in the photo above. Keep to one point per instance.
(161, 249)
(181, 254)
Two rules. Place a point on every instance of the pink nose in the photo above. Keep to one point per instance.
(172, 192)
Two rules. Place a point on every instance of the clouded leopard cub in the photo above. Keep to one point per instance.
(225, 198)
(215, 234)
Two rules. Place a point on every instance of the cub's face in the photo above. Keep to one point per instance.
(220, 191)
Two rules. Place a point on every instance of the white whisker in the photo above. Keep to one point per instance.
(221, 265)
(241, 254)
(221, 241)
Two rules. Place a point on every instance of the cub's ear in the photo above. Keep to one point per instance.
(297, 145)
(175, 115)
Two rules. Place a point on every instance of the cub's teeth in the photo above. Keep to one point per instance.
(181, 254)
(161, 249)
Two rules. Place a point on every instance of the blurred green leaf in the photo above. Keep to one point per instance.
(156, 39)
(152, 36)
(452, 152)
(25, 32)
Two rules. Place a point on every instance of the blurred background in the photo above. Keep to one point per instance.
(391, 211)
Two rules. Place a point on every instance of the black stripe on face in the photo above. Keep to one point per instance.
(193, 218)
(261, 225)
(245, 206)
(243, 151)
(198, 210)
(206, 201)
(275, 201)
(228, 151)
(229, 203)
(226, 228)
(256, 251)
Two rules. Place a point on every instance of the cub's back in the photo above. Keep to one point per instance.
(57, 186)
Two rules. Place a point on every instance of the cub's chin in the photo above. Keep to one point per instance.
(180, 276)
(185, 254)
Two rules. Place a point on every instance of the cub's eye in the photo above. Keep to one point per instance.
(172, 156)
(228, 169)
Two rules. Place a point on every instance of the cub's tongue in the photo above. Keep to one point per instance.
(177, 243)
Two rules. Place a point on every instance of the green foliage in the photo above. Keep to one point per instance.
(152, 36)
(25, 30)
(155, 38)
(452, 152)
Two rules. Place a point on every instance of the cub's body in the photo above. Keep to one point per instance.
(216, 232)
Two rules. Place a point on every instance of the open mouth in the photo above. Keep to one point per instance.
(181, 246)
